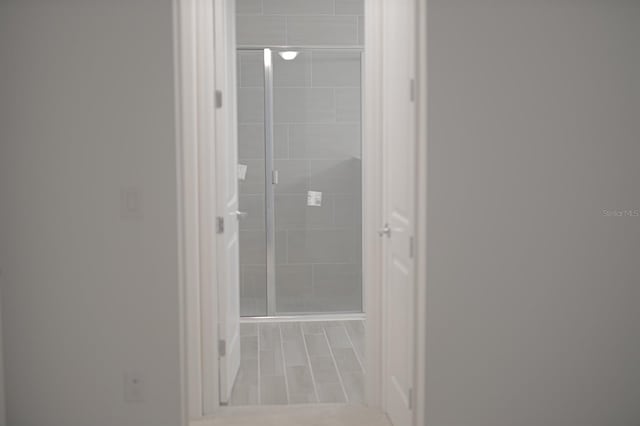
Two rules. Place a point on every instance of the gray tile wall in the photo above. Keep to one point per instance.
(300, 22)
(317, 147)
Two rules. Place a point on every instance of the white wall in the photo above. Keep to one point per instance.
(533, 293)
(86, 98)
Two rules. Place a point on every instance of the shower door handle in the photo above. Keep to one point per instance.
(239, 214)
(385, 231)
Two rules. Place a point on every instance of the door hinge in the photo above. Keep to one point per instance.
(222, 348)
(410, 397)
(275, 177)
(412, 90)
(220, 224)
(218, 99)
(411, 247)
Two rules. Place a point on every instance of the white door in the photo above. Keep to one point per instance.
(227, 205)
(399, 133)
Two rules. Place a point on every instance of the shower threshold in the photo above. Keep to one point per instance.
(306, 318)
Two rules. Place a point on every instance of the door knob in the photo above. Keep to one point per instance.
(385, 231)
(239, 214)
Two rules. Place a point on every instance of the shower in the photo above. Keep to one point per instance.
(300, 183)
(300, 179)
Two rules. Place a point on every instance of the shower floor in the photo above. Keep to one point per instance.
(301, 363)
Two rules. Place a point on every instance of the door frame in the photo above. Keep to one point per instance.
(372, 201)
(421, 231)
(194, 62)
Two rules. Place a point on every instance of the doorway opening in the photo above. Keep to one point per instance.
(299, 116)
(292, 211)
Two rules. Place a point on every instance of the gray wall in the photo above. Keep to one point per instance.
(86, 110)
(533, 291)
(3, 414)
(300, 22)
(317, 148)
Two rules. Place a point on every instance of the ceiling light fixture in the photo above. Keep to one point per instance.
(288, 55)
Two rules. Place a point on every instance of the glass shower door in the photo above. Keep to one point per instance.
(252, 183)
(318, 198)
(300, 181)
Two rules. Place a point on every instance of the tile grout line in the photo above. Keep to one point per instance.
(288, 140)
(313, 376)
(357, 27)
(335, 364)
(311, 85)
(259, 367)
(313, 282)
(305, 123)
(286, 249)
(286, 29)
(335, 105)
(300, 15)
(239, 70)
(305, 263)
(283, 15)
(353, 348)
(284, 364)
(319, 228)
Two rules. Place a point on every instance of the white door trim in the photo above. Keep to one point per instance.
(420, 394)
(375, 55)
(224, 291)
(372, 207)
(194, 54)
(193, 58)
(208, 194)
(184, 82)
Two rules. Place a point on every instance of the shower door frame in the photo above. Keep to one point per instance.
(271, 178)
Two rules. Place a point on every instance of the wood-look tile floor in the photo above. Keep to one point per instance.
(301, 363)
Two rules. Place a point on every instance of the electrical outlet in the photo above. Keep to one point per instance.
(134, 387)
(131, 203)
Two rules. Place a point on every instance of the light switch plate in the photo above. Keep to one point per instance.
(134, 387)
(131, 203)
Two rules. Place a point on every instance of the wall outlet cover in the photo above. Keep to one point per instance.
(314, 198)
(134, 387)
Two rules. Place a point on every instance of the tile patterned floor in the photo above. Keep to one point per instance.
(301, 363)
